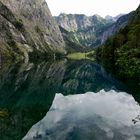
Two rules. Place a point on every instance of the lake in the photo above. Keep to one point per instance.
(66, 100)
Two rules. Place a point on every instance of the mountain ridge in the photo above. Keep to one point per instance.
(90, 31)
(121, 52)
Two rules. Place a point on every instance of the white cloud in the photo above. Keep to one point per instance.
(91, 7)
(101, 115)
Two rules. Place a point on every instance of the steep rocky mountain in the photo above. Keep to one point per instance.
(107, 31)
(27, 29)
(90, 31)
(72, 44)
(135, 17)
(121, 51)
(110, 18)
(81, 27)
(114, 28)
(77, 22)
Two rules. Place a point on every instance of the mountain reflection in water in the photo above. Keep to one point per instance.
(28, 90)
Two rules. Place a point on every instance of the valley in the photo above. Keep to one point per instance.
(68, 76)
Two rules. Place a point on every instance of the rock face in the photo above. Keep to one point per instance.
(120, 54)
(71, 42)
(114, 28)
(108, 17)
(27, 29)
(91, 31)
(77, 22)
(81, 27)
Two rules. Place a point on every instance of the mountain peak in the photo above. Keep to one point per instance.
(114, 19)
(96, 15)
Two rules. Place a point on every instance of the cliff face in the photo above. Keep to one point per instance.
(83, 28)
(91, 31)
(121, 51)
(114, 28)
(71, 42)
(110, 18)
(28, 29)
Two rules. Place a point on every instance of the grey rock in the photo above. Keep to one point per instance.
(30, 27)
(90, 31)
(81, 27)
(114, 28)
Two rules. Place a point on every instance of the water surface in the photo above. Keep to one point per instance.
(101, 116)
(27, 91)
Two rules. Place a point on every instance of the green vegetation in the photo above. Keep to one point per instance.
(83, 37)
(37, 29)
(3, 113)
(79, 56)
(122, 51)
(19, 24)
(72, 45)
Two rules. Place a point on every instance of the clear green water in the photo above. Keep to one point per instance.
(28, 90)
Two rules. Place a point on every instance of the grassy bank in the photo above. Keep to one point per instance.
(79, 55)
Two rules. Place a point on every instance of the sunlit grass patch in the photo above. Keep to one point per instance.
(79, 55)
(3, 113)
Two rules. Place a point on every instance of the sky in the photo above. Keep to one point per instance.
(91, 7)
